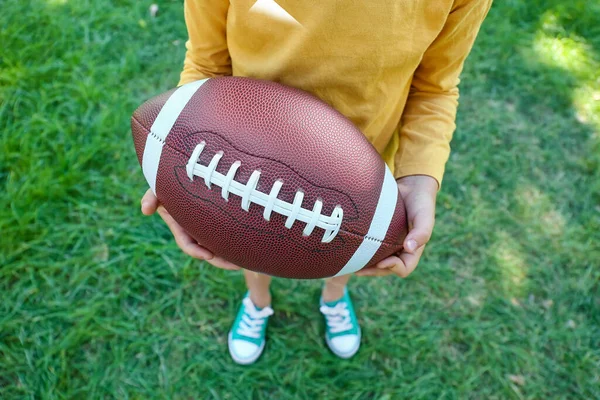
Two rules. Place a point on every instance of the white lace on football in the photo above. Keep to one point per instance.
(252, 319)
(249, 194)
(337, 317)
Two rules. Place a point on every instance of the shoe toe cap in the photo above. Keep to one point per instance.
(345, 344)
(243, 349)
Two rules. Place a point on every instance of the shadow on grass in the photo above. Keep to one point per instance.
(519, 213)
(525, 124)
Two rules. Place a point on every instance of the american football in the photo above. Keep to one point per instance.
(269, 177)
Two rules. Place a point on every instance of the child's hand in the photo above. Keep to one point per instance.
(419, 193)
(185, 242)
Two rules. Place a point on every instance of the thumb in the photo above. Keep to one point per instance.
(420, 230)
(149, 203)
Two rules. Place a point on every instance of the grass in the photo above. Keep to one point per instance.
(97, 301)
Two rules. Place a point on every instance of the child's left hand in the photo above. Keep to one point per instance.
(419, 193)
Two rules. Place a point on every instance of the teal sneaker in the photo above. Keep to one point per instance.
(342, 332)
(247, 336)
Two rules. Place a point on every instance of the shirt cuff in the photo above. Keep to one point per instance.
(434, 171)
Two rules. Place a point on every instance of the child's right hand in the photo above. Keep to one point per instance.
(186, 243)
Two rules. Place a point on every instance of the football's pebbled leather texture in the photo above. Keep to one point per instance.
(287, 135)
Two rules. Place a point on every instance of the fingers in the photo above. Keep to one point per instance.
(185, 242)
(402, 265)
(419, 193)
(383, 268)
(189, 245)
(422, 226)
(373, 271)
(222, 263)
(408, 262)
(149, 203)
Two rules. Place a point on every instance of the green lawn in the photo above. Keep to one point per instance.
(98, 302)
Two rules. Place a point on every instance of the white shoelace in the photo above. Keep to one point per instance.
(293, 211)
(253, 320)
(337, 317)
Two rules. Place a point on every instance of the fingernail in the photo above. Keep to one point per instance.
(411, 245)
(144, 204)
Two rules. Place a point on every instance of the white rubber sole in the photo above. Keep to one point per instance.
(347, 354)
(242, 360)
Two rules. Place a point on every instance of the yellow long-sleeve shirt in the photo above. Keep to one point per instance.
(391, 66)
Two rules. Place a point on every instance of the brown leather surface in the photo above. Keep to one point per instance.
(288, 135)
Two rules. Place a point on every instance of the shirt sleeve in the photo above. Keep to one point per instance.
(207, 54)
(428, 120)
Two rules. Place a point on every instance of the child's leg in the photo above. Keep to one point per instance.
(334, 288)
(258, 286)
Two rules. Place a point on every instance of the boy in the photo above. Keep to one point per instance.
(392, 67)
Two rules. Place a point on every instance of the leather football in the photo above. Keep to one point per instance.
(269, 177)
